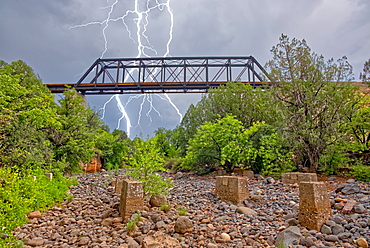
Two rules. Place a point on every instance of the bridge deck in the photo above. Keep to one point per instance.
(145, 87)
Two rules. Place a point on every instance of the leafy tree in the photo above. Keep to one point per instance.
(27, 113)
(163, 138)
(144, 164)
(113, 148)
(228, 143)
(316, 99)
(75, 141)
(365, 75)
(248, 105)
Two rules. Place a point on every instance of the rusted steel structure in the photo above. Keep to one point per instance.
(167, 74)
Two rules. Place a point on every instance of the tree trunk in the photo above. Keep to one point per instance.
(313, 156)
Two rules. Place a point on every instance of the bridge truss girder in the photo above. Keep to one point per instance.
(169, 74)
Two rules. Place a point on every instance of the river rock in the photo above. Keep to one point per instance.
(225, 237)
(361, 242)
(35, 242)
(246, 211)
(359, 208)
(183, 225)
(288, 237)
(157, 200)
(34, 214)
(337, 229)
(160, 239)
(326, 229)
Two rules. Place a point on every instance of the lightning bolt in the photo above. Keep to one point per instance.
(141, 21)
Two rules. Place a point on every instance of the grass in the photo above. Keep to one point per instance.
(132, 223)
(182, 211)
(165, 208)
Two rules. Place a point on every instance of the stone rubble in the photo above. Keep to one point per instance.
(92, 218)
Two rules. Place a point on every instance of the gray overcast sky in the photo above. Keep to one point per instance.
(39, 33)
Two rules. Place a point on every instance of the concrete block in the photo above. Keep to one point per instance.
(314, 205)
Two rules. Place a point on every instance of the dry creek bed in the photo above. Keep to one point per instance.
(92, 219)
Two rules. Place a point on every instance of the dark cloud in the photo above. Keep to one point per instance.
(38, 32)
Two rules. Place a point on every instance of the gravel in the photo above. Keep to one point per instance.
(92, 218)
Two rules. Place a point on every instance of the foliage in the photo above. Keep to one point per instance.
(246, 104)
(27, 112)
(75, 141)
(173, 164)
(315, 106)
(37, 133)
(361, 172)
(132, 222)
(165, 208)
(365, 75)
(360, 126)
(272, 157)
(113, 148)
(228, 143)
(182, 211)
(26, 191)
(163, 139)
(131, 226)
(144, 164)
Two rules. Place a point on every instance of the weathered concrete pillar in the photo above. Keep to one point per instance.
(297, 177)
(232, 188)
(244, 173)
(314, 205)
(132, 198)
(119, 184)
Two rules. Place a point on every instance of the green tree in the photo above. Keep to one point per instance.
(27, 113)
(225, 143)
(316, 98)
(365, 75)
(74, 141)
(240, 100)
(144, 164)
(228, 143)
(163, 138)
(113, 148)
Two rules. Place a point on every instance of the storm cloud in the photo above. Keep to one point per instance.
(39, 33)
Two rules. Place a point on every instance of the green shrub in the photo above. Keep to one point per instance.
(131, 226)
(182, 211)
(361, 172)
(144, 164)
(165, 208)
(132, 223)
(137, 217)
(173, 164)
(26, 191)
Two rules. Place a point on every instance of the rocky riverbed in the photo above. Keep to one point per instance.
(92, 219)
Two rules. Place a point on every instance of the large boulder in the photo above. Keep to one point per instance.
(158, 240)
(157, 200)
(183, 225)
(288, 237)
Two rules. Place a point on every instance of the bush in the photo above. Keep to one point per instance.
(182, 211)
(24, 192)
(361, 172)
(131, 226)
(145, 162)
(173, 164)
(165, 208)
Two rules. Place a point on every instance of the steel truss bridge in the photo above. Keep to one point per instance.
(165, 75)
